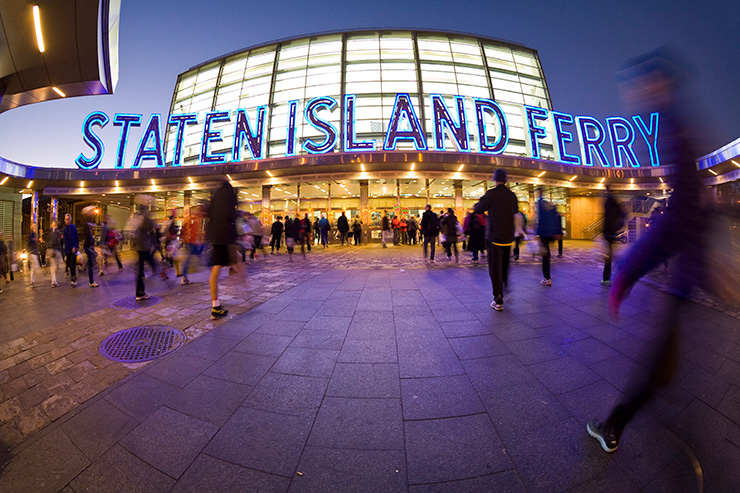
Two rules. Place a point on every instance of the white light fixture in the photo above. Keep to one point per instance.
(735, 163)
(713, 172)
(190, 180)
(229, 177)
(573, 177)
(58, 91)
(661, 179)
(153, 183)
(541, 174)
(4, 180)
(362, 167)
(413, 166)
(116, 183)
(82, 184)
(37, 25)
(602, 180)
(460, 168)
(29, 184)
(268, 173)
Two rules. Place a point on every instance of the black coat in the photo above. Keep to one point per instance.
(612, 216)
(222, 216)
(501, 204)
(277, 228)
(342, 224)
(429, 224)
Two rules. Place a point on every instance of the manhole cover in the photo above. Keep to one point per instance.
(141, 343)
(130, 303)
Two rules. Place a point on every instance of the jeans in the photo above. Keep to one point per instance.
(498, 269)
(324, 237)
(432, 241)
(71, 259)
(90, 253)
(449, 246)
(190, 250)
(343, 238)
(517, 242)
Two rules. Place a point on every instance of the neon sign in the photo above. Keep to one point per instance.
(618, 135)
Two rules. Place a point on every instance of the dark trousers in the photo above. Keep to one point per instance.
(90, 253)
(358, 237)
(71, 260)
(607, 276)
(432, 241)
(449, 246)
(275, 242)
(517, 242)
(144, 257)
(324, 237)
(498, 269)
(661, 367)
(343, 237)
(560, 247)
(546, 240)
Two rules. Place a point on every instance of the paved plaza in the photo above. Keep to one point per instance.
(363, 369)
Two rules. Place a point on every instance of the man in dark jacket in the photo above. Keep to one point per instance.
(613, 219)
(222, 234)
(343, 228)
(71, 245)
(89, 236)
(430, 230)
(501, 204)
(277, 234)
(385, 227)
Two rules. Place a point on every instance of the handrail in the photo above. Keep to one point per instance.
(593, 229)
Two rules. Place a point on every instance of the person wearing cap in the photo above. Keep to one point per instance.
(501, 204)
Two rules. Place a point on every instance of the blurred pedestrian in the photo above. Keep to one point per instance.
(413, 229)
(430, 231)
(88, 235)
(324, 227)
(357, 230)
(291, 235)
(474, 226)
(520, 232)
(452, 234)
(501, 204)
(548, 229)
(222, 234)
(343, 228)
(276, 231)
(613, 222)
(71, 246)
(33, 255)
(191, 237)
(55, 252)
(142, 231)
(385, 229)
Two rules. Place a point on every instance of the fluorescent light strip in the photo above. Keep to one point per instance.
(29, 184)
(713, 172)
(229, 177)
(602, 180)
(56, 90)
(661, 179)
(573, 177)
(37, 25)
(4, 180)
(268, 173)
(541, 174)
(116, 183)
(735, 163)
(460, 168)
(190, 179)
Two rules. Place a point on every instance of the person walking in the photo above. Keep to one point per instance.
(191, 237)
(395, 226)
(343, 228)
(357, 230)
(501, 204)
(430, 231)
(520, 232)
(451, 234)
(33, 255)
(291, 235)
(475, 227)
(71, 245)
(257, 231)
(222, 234)
(385, 229)
(613, 222)
(276, 231)
(413, 229)
(324, 227)
(142, 237)
(55, 255)
(88, 235)
(548, 229)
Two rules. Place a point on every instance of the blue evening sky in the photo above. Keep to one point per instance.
(581, 44)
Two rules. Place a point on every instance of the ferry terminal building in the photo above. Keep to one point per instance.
(364, 122)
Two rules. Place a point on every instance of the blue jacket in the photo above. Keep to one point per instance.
(71, 240)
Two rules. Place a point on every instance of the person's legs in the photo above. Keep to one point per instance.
(560, 247)
(432, 246)
(72, 266)
(607, 274)
(53, 262)
(457, 254)
(142, 260)
(517, 241)
(90, 263)
(35, 266)
(546, 258)
(506, 251)
(494, 273)
(213, 282)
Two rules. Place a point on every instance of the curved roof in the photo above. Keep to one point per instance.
(80, 50)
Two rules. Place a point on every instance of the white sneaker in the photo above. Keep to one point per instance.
(546, 282)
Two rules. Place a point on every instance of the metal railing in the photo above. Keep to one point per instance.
(592, 230)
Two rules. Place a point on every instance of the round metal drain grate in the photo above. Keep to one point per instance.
(130, 303)
(141, 343)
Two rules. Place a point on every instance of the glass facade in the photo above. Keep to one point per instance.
(373, 65)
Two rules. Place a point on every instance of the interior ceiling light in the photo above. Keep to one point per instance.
(602, 180)
(82, 184)
(29, 184)
(573, 177)
(116, 183)
(460, 168)
(37, 25)
(711, 171)
(153, 183)
(58, 91)
(661, 179)
(413, 166)
(4, 180)
(735, 163)
(632, 180)
(229, 177)
(362, 166)
(190, 179)
(541, 174)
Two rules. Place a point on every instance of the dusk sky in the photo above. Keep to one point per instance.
(580, 43)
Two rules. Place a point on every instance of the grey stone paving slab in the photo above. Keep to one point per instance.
(611, 478)
(451, 314)
(141, 396)
(730, 371)
(325, 469)
(439, 397)
(517, 331)
(589, 350)
(98, 427)
(730, 405)
(593, 401)
(536, 350)
(264, 344)
(297, 311)
(288, 394)
(121, 471)
(373, 380)
(209, 347)
(508, 481)
(620, 371)
(46, 465)
(557, 454)
(368, 351)
(246, 324)
(217, 476)
(464, 328)
(242, 368)
(319, 339)
(362, 424)
(478, 347)
(453, 449)
(169, 440)
(278, 327)
(306, 362)
(497, 372)
(434, 361)
(322, 322)
(178, 368)
(209, 399)
(260, 440)
(563, 374)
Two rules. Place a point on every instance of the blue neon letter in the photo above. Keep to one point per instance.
(244, 129)
(487, 106)
(180, 120)
(650, 134)
(536, 132)
(623, 143)
(330, 132)
(563, 136)
(155, 152)
(442, 118)
(290, 134)
(589, 144)
(95, 118)
(350, 131)
(125, 121)
(403, 107)
(208, 137)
